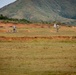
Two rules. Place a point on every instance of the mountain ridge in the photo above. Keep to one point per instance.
(42, 10)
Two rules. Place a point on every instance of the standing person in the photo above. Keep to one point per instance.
(56, 27)
(14, 28)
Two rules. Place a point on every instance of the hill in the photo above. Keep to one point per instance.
(42, 10)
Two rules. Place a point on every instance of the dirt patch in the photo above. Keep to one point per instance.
(2, 38)
(5, 28)
(24, 25)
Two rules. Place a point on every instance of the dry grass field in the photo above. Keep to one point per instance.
(37, 56)
(33, 30)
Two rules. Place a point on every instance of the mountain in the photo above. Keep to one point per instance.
(42, 10)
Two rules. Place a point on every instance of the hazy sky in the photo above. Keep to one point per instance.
(5, 2)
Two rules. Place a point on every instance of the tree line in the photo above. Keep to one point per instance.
(7, 19)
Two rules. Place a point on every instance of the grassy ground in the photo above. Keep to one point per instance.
(38, 31)
(38, 57)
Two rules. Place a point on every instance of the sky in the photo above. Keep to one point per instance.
(5, 2)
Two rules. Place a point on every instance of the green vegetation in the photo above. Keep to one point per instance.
(3, 17)
(12, 20)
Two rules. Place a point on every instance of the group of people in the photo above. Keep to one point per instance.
(55, 26)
